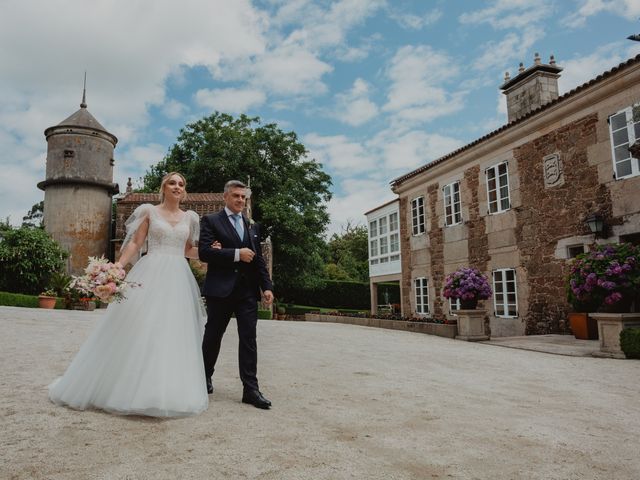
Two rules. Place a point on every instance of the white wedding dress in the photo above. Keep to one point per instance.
(144, 356)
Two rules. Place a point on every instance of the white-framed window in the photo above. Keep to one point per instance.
(393, 222)
(373, 248)
(421, 286)
(373, 229)
(384, 238)
(451, 194)
(394, 242)
(505, 301)
(384, 245)
(417, 215)
(382, 226)
(498, 188)
(624, 128)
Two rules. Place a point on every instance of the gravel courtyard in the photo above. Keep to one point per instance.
(349, 403)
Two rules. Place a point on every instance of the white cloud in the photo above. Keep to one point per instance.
(583, 68)
(129, 53)
(354, 106)
(290, 69)
(230, 100)
(416, 22)
(417, 75)
(413, 149)
(356, 197)
(348, 53)
(339, 153)
(174, 109)
(136, 160)
(328, 28)
(511, 46)
(19, 192)
(508, 14)
(629, 9)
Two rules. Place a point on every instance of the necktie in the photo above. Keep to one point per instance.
(237, 223)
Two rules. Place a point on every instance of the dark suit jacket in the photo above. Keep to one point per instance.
(222, 271)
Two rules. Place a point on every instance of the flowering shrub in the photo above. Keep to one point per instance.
(467, 284)
(386, 316)
(608, 274)
(103, 280)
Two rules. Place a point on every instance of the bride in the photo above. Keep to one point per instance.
(144, 356)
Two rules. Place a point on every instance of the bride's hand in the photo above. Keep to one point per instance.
(216, 245)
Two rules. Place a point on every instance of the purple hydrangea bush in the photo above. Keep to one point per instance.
(468, 284)
(606, 275)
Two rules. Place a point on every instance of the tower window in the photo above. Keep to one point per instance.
(69, 154)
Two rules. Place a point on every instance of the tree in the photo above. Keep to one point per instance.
(348, 255)
(289, 190)
(34, 217)
(28, 259)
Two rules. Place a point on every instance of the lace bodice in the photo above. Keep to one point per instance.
(162, 236)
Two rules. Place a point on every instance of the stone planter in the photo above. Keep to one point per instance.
(471, 325)
(609, 327)
(45, 301)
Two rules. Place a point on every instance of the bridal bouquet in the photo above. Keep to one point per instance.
(103, 280)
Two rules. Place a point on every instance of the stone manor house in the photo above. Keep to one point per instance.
(517, 203)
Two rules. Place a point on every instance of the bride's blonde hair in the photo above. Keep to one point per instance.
(166, 178)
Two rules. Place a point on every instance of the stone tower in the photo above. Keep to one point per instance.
(531, 88)
(79, 186)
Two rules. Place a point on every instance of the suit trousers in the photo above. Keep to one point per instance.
(244, 304)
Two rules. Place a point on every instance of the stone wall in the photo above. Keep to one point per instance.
(405, 258)
(478, 240)
(436, 239)
(553, 210)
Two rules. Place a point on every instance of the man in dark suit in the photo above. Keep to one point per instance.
(235, 275)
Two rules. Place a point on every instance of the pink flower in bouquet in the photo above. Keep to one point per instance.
(103, 292)
(104, 280)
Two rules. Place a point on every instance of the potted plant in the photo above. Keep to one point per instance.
(583, 326)
(47, 299)
(469, 285)
(607, 277)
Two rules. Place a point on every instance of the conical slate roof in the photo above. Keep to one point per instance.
(82, 118)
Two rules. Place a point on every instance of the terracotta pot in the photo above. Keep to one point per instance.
(583, 326)
(45, 301)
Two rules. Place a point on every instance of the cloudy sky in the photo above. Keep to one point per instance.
(374, 88)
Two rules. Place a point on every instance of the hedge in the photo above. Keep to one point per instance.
(630, 342)
(264, 314)
(19, 300)
(329, 293)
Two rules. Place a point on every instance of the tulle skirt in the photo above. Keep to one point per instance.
(144, 356)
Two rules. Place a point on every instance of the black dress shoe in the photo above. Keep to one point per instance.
(209, 386)
(255, 398)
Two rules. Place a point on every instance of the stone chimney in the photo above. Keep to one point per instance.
(531, 88)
